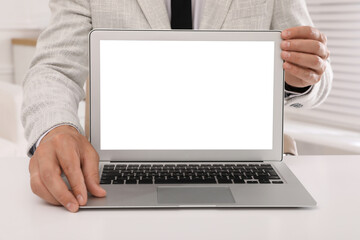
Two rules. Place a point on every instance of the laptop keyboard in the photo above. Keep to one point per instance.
(189, 174)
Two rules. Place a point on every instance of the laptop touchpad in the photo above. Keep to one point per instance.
(194, 195)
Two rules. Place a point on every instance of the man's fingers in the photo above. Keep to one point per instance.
(50, 176)
(36, 184)
(90, 167)
(70, 163)
(39, 189)
(307, 76)
(304, 32)
(305, 60)
(306, 46)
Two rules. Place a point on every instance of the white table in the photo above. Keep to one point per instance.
(334, 181)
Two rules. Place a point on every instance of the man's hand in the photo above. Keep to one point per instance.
(305, 53)
(65, 149)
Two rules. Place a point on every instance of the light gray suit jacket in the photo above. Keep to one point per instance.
(53, 86)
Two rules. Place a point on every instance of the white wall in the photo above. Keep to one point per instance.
(19, 19)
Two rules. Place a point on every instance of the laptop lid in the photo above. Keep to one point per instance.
(186, 95)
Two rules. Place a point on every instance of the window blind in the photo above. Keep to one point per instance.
(340, 21)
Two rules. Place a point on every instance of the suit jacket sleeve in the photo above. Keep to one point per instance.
(53, 87)
(292, 13)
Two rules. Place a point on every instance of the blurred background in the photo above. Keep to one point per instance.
(333, 128)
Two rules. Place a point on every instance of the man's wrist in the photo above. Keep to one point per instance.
(36, 145)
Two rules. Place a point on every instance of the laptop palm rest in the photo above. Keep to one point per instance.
(194, 195)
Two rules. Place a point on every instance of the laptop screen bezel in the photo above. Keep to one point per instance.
(275, 154)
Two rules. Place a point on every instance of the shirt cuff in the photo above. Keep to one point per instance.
(291, 92)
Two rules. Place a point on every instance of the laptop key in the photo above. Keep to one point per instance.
(160, 181)
(277, 182)
(131, 181)
(183, 179)
(120, 166)
(146, 181)
(266, 166)
(263, 181)
(109, 166)
(224, 180)
(105, 182)
(118, 181)
(134, 165)
(238, 180)
(273, 177)
(209, 180)
(107, 178)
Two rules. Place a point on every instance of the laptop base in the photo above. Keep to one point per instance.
(290, 194)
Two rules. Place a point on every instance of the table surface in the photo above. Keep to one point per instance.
(334, 181)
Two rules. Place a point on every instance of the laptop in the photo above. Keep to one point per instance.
(184, 119)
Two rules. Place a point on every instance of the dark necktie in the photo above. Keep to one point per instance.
(181, 14)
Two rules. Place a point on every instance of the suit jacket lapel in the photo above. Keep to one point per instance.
(214, 13)
(155, 13)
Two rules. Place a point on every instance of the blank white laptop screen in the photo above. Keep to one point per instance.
(186, 95)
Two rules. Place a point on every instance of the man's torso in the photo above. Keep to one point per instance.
(153, 14)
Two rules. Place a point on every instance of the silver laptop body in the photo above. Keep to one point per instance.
(185, 103)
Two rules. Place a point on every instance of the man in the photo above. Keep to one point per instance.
(54, 84)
